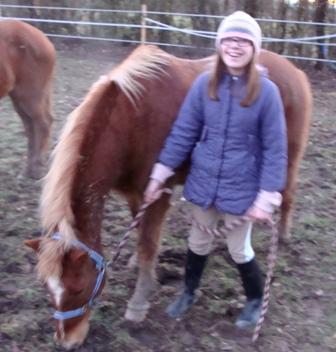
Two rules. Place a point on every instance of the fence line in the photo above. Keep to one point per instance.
(157, 25)
(264, 39)
(163, 26)
(160, 13)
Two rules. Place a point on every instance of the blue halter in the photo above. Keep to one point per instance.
(100, 266)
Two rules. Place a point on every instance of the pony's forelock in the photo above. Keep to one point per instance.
(50, 256)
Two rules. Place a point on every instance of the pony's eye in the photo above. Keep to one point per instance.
(77, 293)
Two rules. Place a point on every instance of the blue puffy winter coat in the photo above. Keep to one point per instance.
(235, 151)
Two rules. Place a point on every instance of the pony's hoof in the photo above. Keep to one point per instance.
(30, 174)
(137, 312)
(135, 315)
(285, 237)
(285, 241)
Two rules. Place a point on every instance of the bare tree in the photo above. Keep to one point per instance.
(201, 23)
(319, 16)
(165, 6)
(281, 26)
(252, 7)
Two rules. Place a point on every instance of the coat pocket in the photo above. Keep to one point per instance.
(197, 149)
(203, 137)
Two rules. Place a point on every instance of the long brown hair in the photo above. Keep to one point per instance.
(253, 82)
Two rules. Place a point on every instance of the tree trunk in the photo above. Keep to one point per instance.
(252, 7)
(281, 26)
(200, 23)
(319, 16)
(165, 6)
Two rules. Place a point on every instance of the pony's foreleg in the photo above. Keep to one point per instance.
(148, 246)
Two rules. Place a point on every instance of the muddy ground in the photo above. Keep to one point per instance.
(302, 308)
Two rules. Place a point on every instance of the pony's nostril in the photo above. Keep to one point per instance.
(74, 346)
(66, 346)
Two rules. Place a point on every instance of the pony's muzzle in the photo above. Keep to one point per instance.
(74, 338)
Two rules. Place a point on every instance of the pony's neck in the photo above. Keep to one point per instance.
(88, 215)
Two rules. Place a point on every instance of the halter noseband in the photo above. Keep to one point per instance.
(100, 266)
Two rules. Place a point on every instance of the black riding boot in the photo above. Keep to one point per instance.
(254, 289)
(193, 271)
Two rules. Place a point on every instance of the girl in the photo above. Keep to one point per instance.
(232, 126)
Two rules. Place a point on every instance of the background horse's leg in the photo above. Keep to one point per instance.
(148, 247)
(37, 120)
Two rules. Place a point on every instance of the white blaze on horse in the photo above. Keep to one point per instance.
(110, 142)
(27, 62)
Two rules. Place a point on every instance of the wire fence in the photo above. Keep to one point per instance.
(295, 40)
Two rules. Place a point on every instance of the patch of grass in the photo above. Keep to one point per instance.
(123, 336)
(29, 293)
(316, 222)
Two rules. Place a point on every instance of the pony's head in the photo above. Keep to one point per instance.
(74, 277)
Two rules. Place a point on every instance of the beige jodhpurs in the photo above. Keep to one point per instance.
(238, 241)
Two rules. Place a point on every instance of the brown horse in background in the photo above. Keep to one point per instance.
(111, 141)
(27, 60)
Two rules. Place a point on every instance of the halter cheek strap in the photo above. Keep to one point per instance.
(100, 266)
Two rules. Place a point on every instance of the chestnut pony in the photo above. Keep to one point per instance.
(110, 142)
(27, 60)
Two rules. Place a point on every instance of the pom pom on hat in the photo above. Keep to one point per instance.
(242, 25)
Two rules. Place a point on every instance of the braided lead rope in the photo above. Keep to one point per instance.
(271, 264)
(134, 224)
(271, 260)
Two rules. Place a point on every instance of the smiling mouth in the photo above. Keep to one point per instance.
(234, 55)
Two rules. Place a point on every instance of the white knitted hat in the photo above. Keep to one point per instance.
(242, 25)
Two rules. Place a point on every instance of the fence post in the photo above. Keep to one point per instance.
(143, 23)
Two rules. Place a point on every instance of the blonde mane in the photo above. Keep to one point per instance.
(56, 212)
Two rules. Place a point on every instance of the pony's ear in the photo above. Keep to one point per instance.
(33, 244)
(76, 253)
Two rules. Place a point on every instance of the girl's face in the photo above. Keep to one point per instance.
(236, 53)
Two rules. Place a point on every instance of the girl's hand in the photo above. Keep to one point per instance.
(153, 190)
(257, 214)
